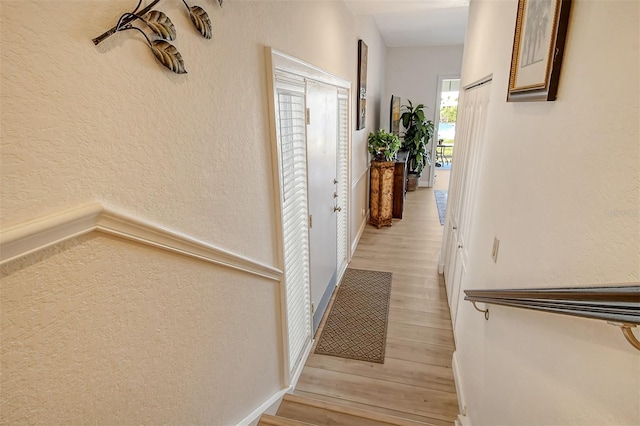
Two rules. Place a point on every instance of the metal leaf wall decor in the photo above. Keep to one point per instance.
(160, 31)
(168, 55)
(201, 21)
(160, 24)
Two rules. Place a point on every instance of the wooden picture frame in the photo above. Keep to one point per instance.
(538, 47)
(362, 85)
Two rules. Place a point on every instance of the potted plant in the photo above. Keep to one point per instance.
(418, 133)
(383, 145)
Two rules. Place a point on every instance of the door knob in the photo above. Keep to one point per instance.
(335, 181)
(337, 209)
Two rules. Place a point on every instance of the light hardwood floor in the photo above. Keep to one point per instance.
(416, 379)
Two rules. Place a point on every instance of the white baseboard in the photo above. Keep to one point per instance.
(354, 245)
(276, 397)
(296, 374)
(462, 402)
(462, 421)
(255, 414)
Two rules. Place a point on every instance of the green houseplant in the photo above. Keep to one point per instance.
(418, 133)
(383, 145)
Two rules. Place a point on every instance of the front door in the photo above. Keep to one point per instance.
(322, 132)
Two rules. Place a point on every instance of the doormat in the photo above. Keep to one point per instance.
(441, 204)
(356, 327)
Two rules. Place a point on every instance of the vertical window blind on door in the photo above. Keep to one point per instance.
(293, 183)
(343, 180)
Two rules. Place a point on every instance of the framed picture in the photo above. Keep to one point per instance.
(362, 85)
(394, 116)
(538, 47)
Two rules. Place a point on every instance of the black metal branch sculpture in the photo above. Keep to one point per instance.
(163, 31)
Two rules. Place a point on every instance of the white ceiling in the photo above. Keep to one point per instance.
(418, 22)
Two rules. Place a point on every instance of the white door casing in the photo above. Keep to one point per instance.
(431, 172)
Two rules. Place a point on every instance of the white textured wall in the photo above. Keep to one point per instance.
(100, 330)
(81, 122)
(412, 73)
(560, 187)
(106, 331)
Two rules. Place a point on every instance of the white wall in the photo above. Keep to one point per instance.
(412, 73)
(103, 330)
(559, 186)
(367, 31)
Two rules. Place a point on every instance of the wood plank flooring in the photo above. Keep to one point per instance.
(416, 380)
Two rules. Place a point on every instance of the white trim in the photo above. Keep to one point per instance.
(295, 376)
(277, 206)
(357, 181)
(462, 421)
(40, 233)
(282, 61)
(354, 245)
(457, 378)
(255, 414)
(479, 82)
(356, 240)
(37, 234)
(436, 121)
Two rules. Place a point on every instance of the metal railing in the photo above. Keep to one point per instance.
(618, 305)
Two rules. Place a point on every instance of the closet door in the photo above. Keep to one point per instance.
(463, 188)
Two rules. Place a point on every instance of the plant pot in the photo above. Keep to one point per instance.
(412, 181)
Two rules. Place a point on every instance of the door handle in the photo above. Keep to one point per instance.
(337, 209)
(335, 181)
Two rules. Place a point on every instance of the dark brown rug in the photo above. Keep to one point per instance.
(356, 327)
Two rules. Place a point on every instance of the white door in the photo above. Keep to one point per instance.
(322, 133)
(462, 189)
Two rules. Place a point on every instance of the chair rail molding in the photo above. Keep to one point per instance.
(36, 234)
(619, 305)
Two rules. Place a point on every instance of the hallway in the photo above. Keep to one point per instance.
(416, 381)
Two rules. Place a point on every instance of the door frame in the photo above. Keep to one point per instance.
(277, 63)
(436, 120)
